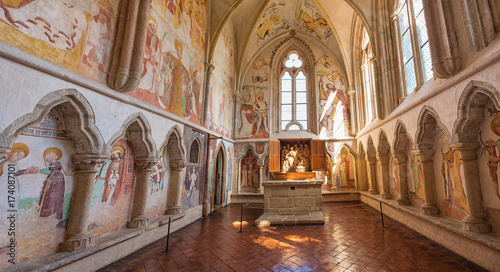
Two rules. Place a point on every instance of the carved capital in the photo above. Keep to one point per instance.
(351, 93)
(209, 68)
(146, 164)
(383, 159)
(88, 162)
(178, 164)
(424, 154)
(468, 151)
(372, 160)
(400, 157)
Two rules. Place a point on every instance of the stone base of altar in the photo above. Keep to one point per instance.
(296, 202)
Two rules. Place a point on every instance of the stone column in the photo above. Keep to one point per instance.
(404, 196)
(177, 175)
(427, 159)
(362, 175)
(352, 110)
(77, 236)
(260, 164)
(383, 160)
(142, 178)
(209, 68)
(372, 162)
(476, 220)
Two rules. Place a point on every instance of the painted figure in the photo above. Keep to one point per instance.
(247, 120)
(261, 106)
(113, 174)
(157, 175)
(344, 177)
(453, 181)
(417, 171)
(270, 23)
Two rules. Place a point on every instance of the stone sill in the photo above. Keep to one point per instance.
(61, 259)
(488, 239)
(292, 182)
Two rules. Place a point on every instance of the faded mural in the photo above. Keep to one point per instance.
(193, 185)
(221, 99)
(172, 71)
(38, 180)
(113, 190)
(78, 35)
(249, 171)
(333, 108)
(310, 19)
(270, 21)
(158, 184)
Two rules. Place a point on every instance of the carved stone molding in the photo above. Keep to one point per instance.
(146, 164)
(88, 162)
(178, 165)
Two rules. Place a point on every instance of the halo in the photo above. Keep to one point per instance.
(119, 149)
(19, 147)
(495, 123)
(54, 150)
(178, 44)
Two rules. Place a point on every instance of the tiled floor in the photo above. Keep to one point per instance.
(352, 239)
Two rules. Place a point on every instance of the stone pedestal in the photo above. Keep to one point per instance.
(297, 202)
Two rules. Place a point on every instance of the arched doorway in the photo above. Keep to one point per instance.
(219, 179)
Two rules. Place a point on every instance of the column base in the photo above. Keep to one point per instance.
(403, 201)
(373, 192)
(173, 210)
(386, 196)
(206, 208)
(476, 225)
(140, 221)
(429, 209)
(77, 241)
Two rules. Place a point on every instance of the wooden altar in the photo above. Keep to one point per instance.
(293, 195)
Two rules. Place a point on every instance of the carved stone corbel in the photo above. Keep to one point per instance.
(126, 64)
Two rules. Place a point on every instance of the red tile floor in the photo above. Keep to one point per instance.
(352, 239)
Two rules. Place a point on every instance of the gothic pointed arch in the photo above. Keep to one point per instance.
(173, 144)
(138, 131)
(371, 151)
(402, 140)
(471, 108)
(247, 147)
(78, 116)
(428, 122)
(384, 148)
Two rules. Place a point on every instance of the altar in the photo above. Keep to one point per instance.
(293, 195)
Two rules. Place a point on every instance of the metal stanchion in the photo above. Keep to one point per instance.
(241, 220)
(168, 236)
(382, 214)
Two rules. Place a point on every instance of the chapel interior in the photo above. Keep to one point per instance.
(121, 119)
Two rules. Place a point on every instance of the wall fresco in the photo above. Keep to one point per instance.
(309, 19)
(333, 107)
(39, 172)
(270, 21)
(194, 185)
(249, 170)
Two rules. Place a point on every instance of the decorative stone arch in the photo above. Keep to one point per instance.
(137, 131)
(293, 44)
(371, 154)
(79, 120)
(222, 149)
(198, 146)
(402, 139)
(470, 110)
(173, 147)
(361, 174)
(248, 147)
(384, 149)
(428, 122)
(371, 151)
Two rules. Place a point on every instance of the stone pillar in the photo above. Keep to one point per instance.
(427, 159)
(238, 178)
(362, 177)
(404, 196)
(476, 220)
(352, 110)
(77, 236)
(142, 178)
(208, 76)
(260, 164)
(177, 175)
(372, 162)
(383, 160)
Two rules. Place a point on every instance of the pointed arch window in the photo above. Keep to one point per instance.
(293, 94)
(415, 55)
(367, 75)
(194, 153)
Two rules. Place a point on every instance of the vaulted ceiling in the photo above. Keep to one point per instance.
(257, 23)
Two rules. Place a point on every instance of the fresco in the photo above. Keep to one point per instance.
(417, 194)
(172, 70)
(253, 121)
(221, 99)
(454, 193)
(249, 170)
(113, 190)
(492, 147)
(37, 179)
(193, 186)
(309, 19)
(395, 184)
(270, 21)
(344, 174)
(157, 186)
(333, 109)
(74, 34)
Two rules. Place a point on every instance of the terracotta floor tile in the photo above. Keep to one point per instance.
(351, 240)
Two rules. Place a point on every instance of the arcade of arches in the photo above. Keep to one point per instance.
(118, 116)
